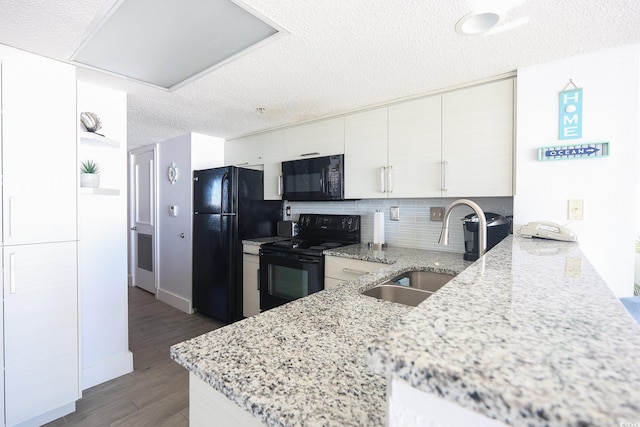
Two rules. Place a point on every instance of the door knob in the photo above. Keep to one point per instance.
(134, 228)
(182, 235)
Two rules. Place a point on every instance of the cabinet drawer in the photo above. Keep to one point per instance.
(250, 249)
(347, 268)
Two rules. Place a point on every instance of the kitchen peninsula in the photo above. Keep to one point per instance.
(528, 335)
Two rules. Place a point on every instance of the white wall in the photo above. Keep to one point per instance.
(607, 185)
(103, 243)
(415, 229)
(189, 152)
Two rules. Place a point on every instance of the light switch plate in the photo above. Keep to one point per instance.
(437, 214)
(576, 210)
(395, 213)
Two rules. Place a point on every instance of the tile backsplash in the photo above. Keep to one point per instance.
(415, 229)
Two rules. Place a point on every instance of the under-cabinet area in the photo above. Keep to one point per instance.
(455, 144)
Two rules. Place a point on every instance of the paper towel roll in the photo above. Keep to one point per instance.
(378, 228)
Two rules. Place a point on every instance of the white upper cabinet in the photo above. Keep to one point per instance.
(477, 140)
(365, 154)
(272, 156)
(456, 144)
(415, 148)
(40, 169)
(394, 152)
(321, 138)
(246, 151)
(260, 151)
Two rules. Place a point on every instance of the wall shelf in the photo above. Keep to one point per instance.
(100, 191)
(92, 137)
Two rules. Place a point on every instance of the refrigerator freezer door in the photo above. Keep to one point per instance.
(213, 272)
(210, 190)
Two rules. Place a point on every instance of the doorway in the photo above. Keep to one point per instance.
(142, 241)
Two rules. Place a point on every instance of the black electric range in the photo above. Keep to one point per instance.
(292, 269)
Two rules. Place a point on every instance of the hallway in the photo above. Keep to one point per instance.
(156, 393)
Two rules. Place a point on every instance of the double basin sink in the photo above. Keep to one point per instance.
(409, 288)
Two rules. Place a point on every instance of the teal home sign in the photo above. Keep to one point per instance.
(571, 114)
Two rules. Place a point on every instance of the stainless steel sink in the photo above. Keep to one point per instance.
(399, 294)
(426, 280)
(409, 288)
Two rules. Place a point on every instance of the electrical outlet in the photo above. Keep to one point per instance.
(573, 267)
(395, 213)
(437, 214)
(576, 210)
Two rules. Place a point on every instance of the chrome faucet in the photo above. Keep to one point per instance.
(482, 224)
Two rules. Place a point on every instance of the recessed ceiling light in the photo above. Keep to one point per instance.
(170, 43)
(478, 22)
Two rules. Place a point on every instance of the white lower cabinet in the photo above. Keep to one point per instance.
(41, 351)
(210, 407)
(410, 407)
(338, 270)
(250, 280)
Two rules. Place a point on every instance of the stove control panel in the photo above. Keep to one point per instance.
(329, 222)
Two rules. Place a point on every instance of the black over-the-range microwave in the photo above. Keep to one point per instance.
(318, 178)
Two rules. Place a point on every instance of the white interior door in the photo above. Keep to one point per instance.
(144, 235)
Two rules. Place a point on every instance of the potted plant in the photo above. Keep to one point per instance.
(89, 174)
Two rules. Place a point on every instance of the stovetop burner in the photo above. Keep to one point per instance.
(320, 232)
(332, 244)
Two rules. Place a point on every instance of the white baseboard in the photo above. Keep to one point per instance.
(107, 370)
(174, 300)
(48, 416)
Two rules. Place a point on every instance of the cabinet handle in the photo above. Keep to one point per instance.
(352, 271)
(280, 185)
(12, 273)
(310, 154)
(243, 164)
(382, 173)
(10, 212)
(258, 270)
(444, 176)
(390, 179)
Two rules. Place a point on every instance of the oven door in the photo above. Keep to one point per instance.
(285, 277)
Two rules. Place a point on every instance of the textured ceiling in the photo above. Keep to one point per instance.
(339, 56)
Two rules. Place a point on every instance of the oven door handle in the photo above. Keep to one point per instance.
(309, 261)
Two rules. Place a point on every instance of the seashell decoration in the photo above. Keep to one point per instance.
(90, 121)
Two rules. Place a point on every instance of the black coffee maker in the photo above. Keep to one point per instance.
(497, 229)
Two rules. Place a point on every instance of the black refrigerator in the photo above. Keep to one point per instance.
(228, 207)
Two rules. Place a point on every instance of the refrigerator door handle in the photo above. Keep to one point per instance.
(223, 182)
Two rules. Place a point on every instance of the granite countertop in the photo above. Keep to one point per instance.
(529, 335)
(532, 336)
(257, 241)
(304, 363)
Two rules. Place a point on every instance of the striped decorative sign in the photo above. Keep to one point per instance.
(580, 151)
(571, 114)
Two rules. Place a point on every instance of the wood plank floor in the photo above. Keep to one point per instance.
(156, 393)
